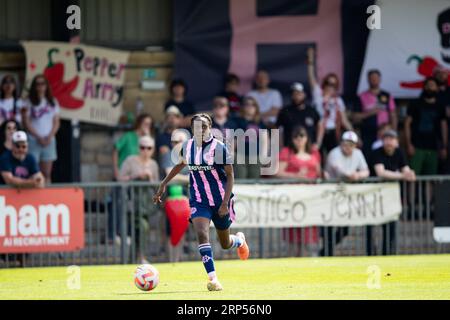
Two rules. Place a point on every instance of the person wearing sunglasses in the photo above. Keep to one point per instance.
(6, 132)
(18, 168)
(141, 167)
(41, 121)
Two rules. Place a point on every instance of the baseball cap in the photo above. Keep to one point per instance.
(350, 136)
(297, 86)
(390, 133)
(146, 141)
(19, 136)
(173, 110)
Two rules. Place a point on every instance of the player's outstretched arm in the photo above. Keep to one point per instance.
(162, 187)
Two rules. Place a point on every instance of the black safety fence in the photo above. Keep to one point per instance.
(122, 226)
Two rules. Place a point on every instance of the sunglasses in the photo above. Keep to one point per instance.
(9, 82)
(145, 148)
(175, 142)
(301, 135)
(41, 83)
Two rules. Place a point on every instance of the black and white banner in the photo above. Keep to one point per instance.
(259, 206)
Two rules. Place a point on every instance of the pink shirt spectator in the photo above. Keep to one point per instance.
(370, 101)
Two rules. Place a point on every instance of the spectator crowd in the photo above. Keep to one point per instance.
(320, 136)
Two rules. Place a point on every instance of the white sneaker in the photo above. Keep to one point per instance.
(214, 285)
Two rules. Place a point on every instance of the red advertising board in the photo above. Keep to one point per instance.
(41, 220)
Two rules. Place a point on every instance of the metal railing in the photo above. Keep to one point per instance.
(121, 223)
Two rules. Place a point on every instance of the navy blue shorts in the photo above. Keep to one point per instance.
(211, 213)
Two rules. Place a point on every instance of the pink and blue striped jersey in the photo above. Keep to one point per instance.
(206, 170)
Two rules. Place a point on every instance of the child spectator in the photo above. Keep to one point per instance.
(6, 132)
(40, 117)
(10, 104)
(269, 100)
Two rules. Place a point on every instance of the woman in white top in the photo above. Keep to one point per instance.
(41, 119)
(329, 104)
(10, 104)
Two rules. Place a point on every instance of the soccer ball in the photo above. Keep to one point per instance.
(146, 277)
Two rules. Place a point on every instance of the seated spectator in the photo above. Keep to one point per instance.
(10, 104)
(178, 91)
(298, 160)
(128, 143)
(247, 161)
(269, 100)
(141, 168)
(7, 129)
(388, 162)
(232, 82)
(18, 168)
(299, 113)
(329, 104)
(376, 108)
(173, 121)
(40, 117)
(426, 130)
(221, 119)
(346, 161)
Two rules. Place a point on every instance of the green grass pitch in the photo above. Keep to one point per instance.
(400, 277)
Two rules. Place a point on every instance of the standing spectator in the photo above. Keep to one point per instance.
(169, 161)
(221, 118)
(141, 167)
(298, 160)
(269, 100)
(344, 162)
(329, 104)
(18, 168)
(247, 164)
(376, 108)
(173, 121)
(10, 104)
(441, 76)
(41, 119)
(426, 130)
(128, 143)
(388, 162)
(232, 82)
(298, 113)
(178, 92)
(6, 132)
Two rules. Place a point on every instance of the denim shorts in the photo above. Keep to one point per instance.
(41, 153)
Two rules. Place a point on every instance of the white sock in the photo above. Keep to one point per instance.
(212, 276)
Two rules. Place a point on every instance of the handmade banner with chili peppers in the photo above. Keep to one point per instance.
(414, 40)
(87, 81)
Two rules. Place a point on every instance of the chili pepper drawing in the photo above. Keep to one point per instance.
(425, 68)
(54, 72)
